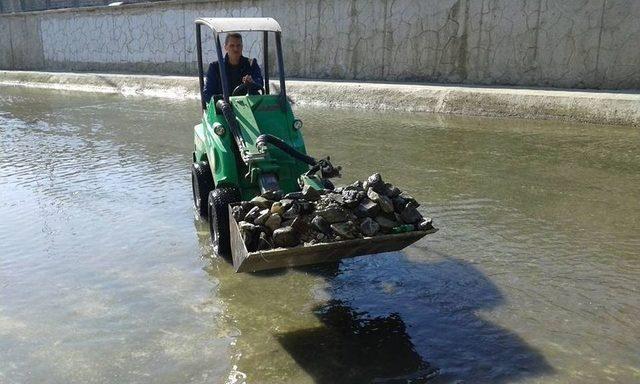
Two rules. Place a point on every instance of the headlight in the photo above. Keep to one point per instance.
(218, 129)
(297, 124)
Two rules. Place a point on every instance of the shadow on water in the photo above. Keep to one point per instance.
(440, 300)
(349, 346)
(388, 319)
(353, 348)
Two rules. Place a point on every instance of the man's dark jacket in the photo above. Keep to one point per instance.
(213, 85)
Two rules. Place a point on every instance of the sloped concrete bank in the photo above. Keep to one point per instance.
(592, 107)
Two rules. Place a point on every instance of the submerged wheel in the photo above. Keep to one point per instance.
(201, 184)
(219, 200)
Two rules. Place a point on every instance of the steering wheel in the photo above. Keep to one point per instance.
(247, 89)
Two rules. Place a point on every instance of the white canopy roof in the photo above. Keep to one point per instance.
(239, 24)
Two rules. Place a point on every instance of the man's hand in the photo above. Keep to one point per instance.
(247, 79)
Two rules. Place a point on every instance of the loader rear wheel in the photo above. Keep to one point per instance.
(201, 184)
(219, 200)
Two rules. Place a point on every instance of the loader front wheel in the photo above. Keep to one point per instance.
(219, 200)
(201, 184)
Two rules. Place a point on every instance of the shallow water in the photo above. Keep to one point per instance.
(105, 273)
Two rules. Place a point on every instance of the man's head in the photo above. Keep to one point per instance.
(233, 46)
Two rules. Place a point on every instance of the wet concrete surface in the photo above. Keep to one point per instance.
(106, 274)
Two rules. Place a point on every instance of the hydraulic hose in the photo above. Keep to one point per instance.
(266, 138)
(228, 114)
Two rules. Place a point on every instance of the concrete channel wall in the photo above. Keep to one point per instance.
(556, 43)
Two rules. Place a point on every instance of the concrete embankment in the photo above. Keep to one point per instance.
(575, 44)
(592, 107)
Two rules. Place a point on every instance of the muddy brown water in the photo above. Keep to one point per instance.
(106, 275)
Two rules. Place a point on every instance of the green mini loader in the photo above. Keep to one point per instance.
(248, 143)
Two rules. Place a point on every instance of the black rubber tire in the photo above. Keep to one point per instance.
(201, 185)
(219, 200)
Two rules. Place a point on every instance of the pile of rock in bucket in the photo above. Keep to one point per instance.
(362, 209)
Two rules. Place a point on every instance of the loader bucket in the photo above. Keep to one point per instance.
(245, 261)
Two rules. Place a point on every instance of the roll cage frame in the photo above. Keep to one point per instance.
(240, 24)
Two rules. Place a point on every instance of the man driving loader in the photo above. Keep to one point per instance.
(240, 71)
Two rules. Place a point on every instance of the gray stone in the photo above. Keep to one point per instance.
(262, 218)
(321, 225)
(375, 182)
(368, 227)
(333, 214)
(272, 195)
(375, 179)
(392, 191)
(367, 208)
(249, 233)
(426, 224)
(252, 214)
(261, 202)
(305, 206)
(273, 222)
(399, 203)
(293, 195)
(310, 193)
(383, 201)
(409, 199)
(263, 242)
(245, 226)
(351, 198)
(351, 204)
(346, 230)
(300, 225)
(335, 197)
(238, 213)
(286, 203)
(410, 214)
(286, 222)
(385, 223)
(350, 194)
(285, 237)
(292, 212)
(307, 235)
(277, 207)
(246, 205)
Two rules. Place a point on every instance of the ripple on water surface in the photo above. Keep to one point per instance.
(532, 277)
